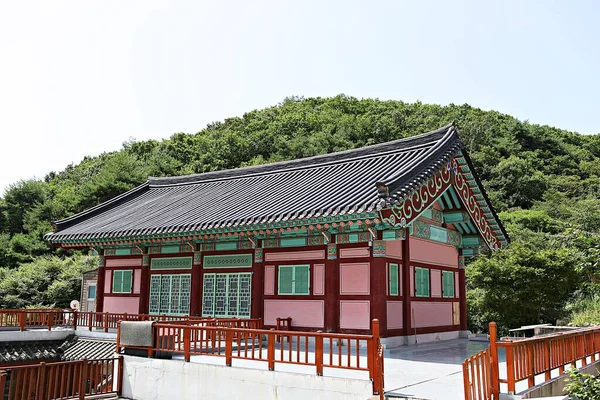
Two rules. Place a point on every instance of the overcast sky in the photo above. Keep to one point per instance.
(80, 77)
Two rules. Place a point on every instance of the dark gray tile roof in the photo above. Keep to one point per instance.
(15, 352)
(73, 348)
(90, 349)
(330, 184)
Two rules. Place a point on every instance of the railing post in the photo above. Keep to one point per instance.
(374, 351)
(22, 317)
(41, 382)
(319, 353)
(510, 368)
(91, 316)
(105, 321)
(118, 347)
(75, 315)
(187, 332)
(50, 319)
(228, 346)
(2, 383)
(83, 381)
(120, 376)
(495, 368)
(529, 351)
(548, 360)
(271, 350)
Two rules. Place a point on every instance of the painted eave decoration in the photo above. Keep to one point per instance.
(379, 187)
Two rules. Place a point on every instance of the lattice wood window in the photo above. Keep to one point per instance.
(122, 281)
(227, 295)
(448, 284)
(294, 279)
(422, 282)
(170, 294)
(393, 279)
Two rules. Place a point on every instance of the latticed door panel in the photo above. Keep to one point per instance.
(184, 299)
(227, 295)
(221, 295)
(165, 294)
(154, 294)
(244, 298)
(170, 294)
(232, 295)
(208, 295)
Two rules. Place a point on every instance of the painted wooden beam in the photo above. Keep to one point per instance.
(451, 217)
(472, 241)
(454, 197)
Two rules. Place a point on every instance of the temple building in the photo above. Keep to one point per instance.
(331, 241)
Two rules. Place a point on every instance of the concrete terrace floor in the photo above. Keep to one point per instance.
(430, 371)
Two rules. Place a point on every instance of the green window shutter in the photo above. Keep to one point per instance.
(286, 280)
(117, 282)
(393, 275)
(302, 279)
(422, 282)
(448, 280)
(127, 281)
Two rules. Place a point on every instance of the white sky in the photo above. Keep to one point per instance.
(80, 77)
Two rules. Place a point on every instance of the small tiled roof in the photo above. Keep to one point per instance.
(320, 186)
(16, 352)
(90, 349)
(73, 348)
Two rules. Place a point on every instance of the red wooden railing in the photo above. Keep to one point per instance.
(51, 318)
(62, 380)
(317, 349)
(526, 359)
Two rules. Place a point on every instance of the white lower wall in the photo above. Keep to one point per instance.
(396, 341)
(154, 379)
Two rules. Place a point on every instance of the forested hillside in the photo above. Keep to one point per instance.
(544, 181)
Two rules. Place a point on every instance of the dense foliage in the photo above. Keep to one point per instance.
(545, 181)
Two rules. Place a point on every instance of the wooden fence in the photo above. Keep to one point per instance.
(52, 318)
(62, 380)
(527, 359)
(316, 349)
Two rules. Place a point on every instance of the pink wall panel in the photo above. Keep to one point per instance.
(137, 280)
(432, 313)
(269, 279)
(107, 281)
(295, 255)
(394, 314)
(436, 282)
(355, 252)
(456, 285)
(355, 314)
(305, 313)
(319, 279)
(393, 248)
(124, 262)
(354, 278)
(129, 305)
(430, 252)
(412, 280)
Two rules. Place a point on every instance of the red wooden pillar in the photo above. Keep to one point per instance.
(258, 284)
(197, 282)
(332, 289)
(100, 282)
(378, 292)
(406, 292)
(145, 282)
(462, 292)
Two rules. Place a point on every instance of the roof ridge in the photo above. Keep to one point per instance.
(254, 170)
